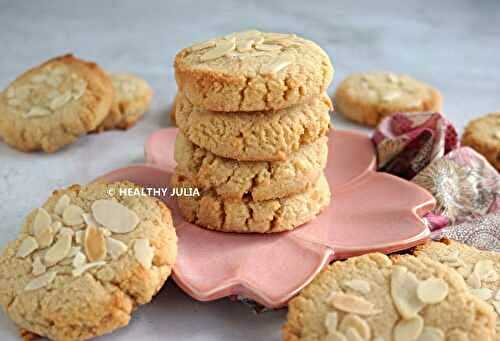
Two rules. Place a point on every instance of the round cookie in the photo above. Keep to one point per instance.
(367, 98)
(53, 104)
(85, 260)
(259, 180)
(252, 70)
(483, 135)
(480, 269)
(374, 297)
(211, 211)
(256, 136)
(132, 99)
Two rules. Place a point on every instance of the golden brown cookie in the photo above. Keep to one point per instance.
(367, 98)
(480, 269)
(131, 101)
(255, 136)
(483, 135)
(53, 104)
(85, 260)
(260, 180)
(374, 297)
(252, 70)
(246, 216)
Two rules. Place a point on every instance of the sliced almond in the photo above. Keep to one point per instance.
(358, 285)
(61, 100)
(496, 305)
(491, 276)
(408, 330)
(114, 216)
(27, 247)
(336, 336)
(432, 290)
(431, 334)
(483, 268)
(245, 45)
(38, 267)
(275, 66)
(62, 203)
(37, 112)
(391, 96)
(79, 237)
(352, 304)
(144, 253)
(105, 232)
(41, 281)
(89, 220)
(94, 243)
(67, 231)
(80, 270)
(56, 226)
(115, 248)
(497, 296)
(59, 250)
(483, 293)
(79, 260)
(244, 35)
(474, 281)
(42, 219)
(42, 229)
(79, 88)
(72, 215)
(404, 292)
(222, 47)
(73, 251)
(353, 335)
(268, 47)
(202, 46)
(331, 321)
(357, 323)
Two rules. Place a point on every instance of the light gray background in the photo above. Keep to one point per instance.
(454, 45)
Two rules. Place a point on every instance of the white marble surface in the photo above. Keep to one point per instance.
(454, 45)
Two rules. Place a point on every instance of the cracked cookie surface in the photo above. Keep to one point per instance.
(255, 136)
(259, 180)
(483, 135)
(131, 101)
(252, 70)
(246, 216)
(480, 269)
(374, 297)
(85, 260)
(51, 105)
(367, 98)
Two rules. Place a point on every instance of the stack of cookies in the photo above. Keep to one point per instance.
(253, 118)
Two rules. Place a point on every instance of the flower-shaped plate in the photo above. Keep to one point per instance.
(369, 211)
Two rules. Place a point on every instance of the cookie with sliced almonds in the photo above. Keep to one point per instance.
(85, 260)
(399, 298)
(252, 70)
(480, 269)
(51, 105)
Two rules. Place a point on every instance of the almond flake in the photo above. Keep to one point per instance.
(431, 334)
(66, 231)
(497, 296)
(79, 260)
(143, 252)
(62, 203)
(105, 232)
(483, 293)
(41, 281)
(115, 248)
(60, 100)
(80, 270)
(331, 321)
(89, 220)
(56, 226)
(58, 251)
(483, 268)
(277, 65)
(244, 35)
(202, 46)
(358, 285)
(37, 112)
(38, 267)
(336, 336)
(79, 88)
(432, 290)
(352, 304)
(42, 219)
(74, 250)
(391, 96)
(268, 47)
(79, 236)
(352, 334)
(244, 45)
(114, 216)
(72, 215)
(491, 276)
(94, 244)
(221, 48)
(357, 323)
(404, 292)
(28, 245)
(410, 329)
(474, 281)
(496, 305)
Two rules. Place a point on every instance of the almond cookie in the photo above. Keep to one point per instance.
(367, 98)
(259, 180)
(256, 136)
(252, 70)
(483, 135)
(85, 260)
(374, 297)
(247, 216)
(480, 269)
(53, 104)
(132, 99)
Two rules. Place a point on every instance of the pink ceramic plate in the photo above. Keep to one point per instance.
(369, 211)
